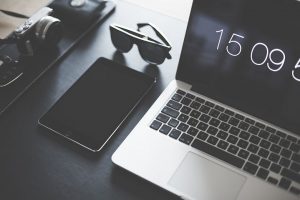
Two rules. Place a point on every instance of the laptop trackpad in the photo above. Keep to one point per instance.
(199, 178)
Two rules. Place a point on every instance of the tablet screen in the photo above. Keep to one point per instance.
(95, 106)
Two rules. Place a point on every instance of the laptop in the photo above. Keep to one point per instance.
(228, 126)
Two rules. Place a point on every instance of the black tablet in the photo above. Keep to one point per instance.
(91, 111)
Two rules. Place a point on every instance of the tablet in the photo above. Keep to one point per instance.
(91, 111)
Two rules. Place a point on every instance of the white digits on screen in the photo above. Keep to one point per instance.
(280, 64)
(220, 38)
(232, 41)
(293, 72)
(266, 57)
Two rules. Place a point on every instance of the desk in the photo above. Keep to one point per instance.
(39, 165)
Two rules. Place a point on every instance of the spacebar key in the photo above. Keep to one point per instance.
(222, 155)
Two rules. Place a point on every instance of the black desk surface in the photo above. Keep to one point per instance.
(39, 165)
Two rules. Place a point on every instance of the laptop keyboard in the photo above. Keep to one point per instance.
(240, 141)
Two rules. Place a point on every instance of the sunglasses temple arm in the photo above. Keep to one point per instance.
(158, 33)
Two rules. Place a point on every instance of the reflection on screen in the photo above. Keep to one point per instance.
(246, 53)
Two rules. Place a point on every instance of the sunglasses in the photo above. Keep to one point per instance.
(151, 50)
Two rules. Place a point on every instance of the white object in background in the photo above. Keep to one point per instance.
(179, 9)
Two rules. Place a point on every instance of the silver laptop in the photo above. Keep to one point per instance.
(228, 126)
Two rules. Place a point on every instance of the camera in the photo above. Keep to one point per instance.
(40, 30)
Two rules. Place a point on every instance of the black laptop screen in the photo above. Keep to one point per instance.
(246, 53)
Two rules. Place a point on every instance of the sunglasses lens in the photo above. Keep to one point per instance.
(152, 53)
(120, 40)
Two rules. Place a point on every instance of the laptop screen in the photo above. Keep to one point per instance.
(246, 54)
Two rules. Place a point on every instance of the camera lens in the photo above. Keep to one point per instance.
(49, 30)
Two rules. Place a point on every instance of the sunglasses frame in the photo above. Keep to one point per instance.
(137, 36)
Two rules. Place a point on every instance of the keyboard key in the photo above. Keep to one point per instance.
(265, 144)
(295, 147)
(177, 97)
(223, 135)
(270, 129)
(275, 148)
(204, 118)
(219, 108)
(173, 122)
(250, 121)
(296, 157)
(165, 129)
(212, 130)
(204, 109)
(222, 144)
(284, 162)
(191, 96)
(171, 112)
(275, 168)
(286, 153)
(281, 134)
(186, 101)
(218, 153)
(229, 112)
(192, 122)
(183, 117)
(214, 122)
(155, 125)
(202, 126)
(253, 148)
(223, 126)
(291, 138)
(232, 139)
(264, 163)
(181, 92)
(263, 153)
(214, 113)
(260, 125)
(243, 154)
(163, 118)
(185, 110)
(233, 149)
(264, 134)
(234, 130)
(295, 167)
(254, 139)
(187, 139)
(212, 140)
(250, 167)
(202, 135)
(284, 183)
(274, 138)
(244, 135)
(244, 126)
(182, 127)
(173, 104)
(254, 158)
(195, 105)
(210, 104)
(274, 157)
(195, 114)
(233, 121)
(262, 173)
(290, 175)
(174, 134)
(272, 180)
(295, 190)
(242, 143)
(200, 100)
(192, 131)
(254, 130)
(223, 117)
(238, 116)
(284, 143)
